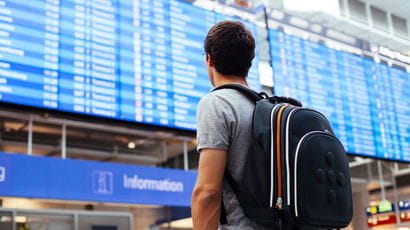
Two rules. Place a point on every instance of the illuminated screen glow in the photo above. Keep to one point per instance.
(136, 60)
(368, 103)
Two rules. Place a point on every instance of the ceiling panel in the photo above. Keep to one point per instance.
(400, 8)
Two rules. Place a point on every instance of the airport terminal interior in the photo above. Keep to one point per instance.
(98, 102)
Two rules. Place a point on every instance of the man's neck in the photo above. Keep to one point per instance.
(230, 79)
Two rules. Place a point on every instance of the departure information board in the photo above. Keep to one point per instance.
(134, 60)
(368, 103)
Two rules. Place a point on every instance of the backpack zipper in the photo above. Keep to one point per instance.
(278, 157)
(296, 163)
(272, 151)
(287, 156)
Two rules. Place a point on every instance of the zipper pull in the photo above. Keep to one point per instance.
(279, 202)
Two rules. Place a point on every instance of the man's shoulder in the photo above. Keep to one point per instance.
(222, 95)
(226, 99)
(214, 97)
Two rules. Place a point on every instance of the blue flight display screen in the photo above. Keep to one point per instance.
(368, 103)
(136, 60)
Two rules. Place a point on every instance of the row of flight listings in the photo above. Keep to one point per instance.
(134, 60)
(366, 101)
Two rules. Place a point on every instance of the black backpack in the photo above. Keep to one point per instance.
(297, 172)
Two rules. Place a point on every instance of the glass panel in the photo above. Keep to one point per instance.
(25, 221)
(104, 222)
(5, 220)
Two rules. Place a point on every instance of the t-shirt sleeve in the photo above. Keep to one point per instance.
(215, 120)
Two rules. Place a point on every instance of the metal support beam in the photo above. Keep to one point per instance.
(131, 223)
(13, 220)
(64, 141)
(369, 172)
(361, 180)
(30, 136)
(360, 162)
(113, 155)
(401, 172)
(369, 15)
(396, 167)
(138, 156)
(76, 223)
(97, 126)
(164, 151)
(379, 167)
(346, 9)
(390, 24)
(185, 146)
(396, 198)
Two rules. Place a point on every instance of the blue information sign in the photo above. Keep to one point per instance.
(66, 179)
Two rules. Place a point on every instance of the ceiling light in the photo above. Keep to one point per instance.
(299, 22)
(131, 145)
(276, 14)
(20, 219)
(316, 28)
(5, 219)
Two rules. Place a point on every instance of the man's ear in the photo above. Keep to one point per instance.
(210, 60)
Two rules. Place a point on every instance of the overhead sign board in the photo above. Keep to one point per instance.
(66, 179)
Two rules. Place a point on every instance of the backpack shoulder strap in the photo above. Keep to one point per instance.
(254, 96)
(235, 189)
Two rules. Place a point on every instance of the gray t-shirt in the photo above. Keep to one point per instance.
(224, 120)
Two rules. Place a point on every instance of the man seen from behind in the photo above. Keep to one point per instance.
(224, 119)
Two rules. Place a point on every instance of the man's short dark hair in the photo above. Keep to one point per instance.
(231, 47)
